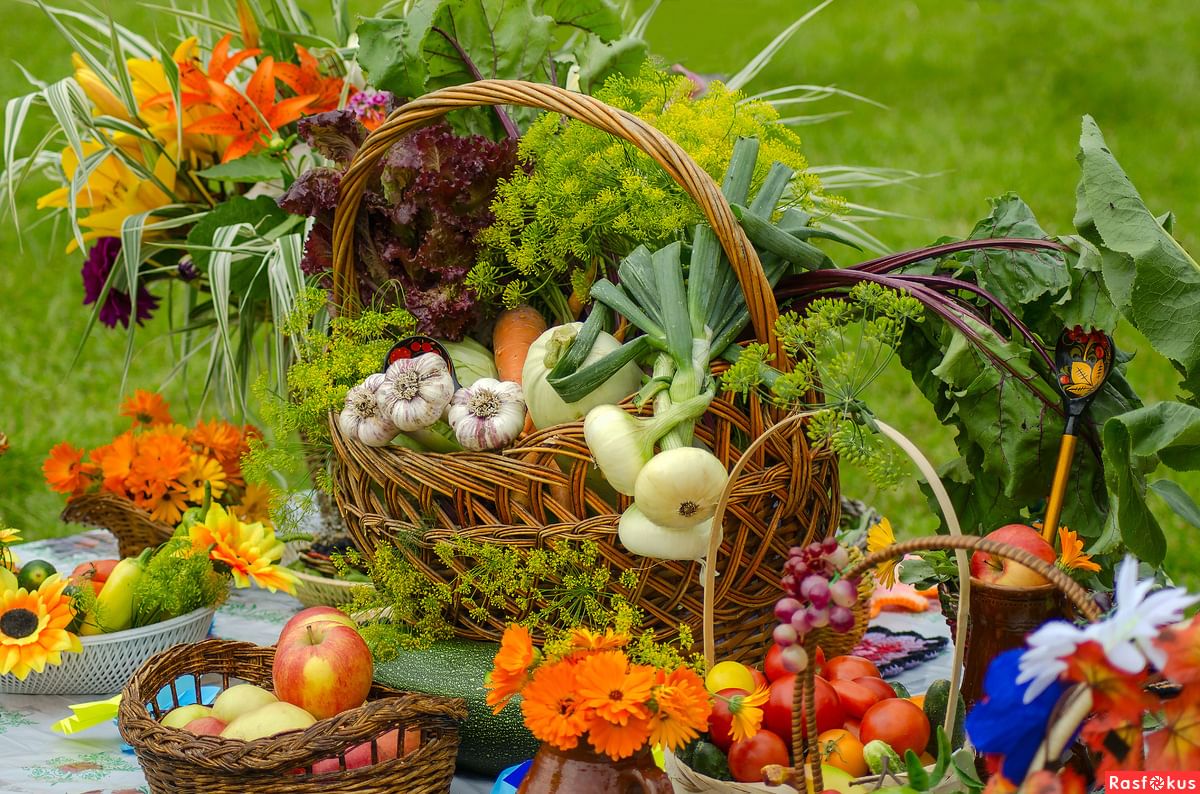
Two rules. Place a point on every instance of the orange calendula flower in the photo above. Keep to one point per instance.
(551, 707)
(1073, 556)
(747, 713)
(116, 462)
(165, 504)
(613, 688)
(203, 470)
(255, 504)
(307, 79)
(682, 708)
(250, 119)
(619, 741)
(219, 439)
(588, 640)
(33, 628)
(65, 470)
(510, 670)
(146, 408)
(250, 550)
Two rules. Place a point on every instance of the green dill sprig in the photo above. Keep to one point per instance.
(178, 579)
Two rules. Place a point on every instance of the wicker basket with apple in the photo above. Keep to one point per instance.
(303, 716)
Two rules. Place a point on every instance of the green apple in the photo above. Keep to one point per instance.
(180, 717)
(268, 720)
(239, 700)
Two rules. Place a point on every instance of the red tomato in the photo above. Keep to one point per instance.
(777, 712)
(773, 664)
(849, 668)
(819, 662)
(760, 680)
(854, 697)
(854, 727)
(882, 689)
(720, 721)
(95, 572)
(901, 723)
(748, 756)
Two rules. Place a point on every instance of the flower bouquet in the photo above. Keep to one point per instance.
(141, 484)
(88, 632)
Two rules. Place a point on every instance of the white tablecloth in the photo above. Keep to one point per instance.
(35, 760)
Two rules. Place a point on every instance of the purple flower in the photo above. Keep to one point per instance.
(371, 107)
(117, 305)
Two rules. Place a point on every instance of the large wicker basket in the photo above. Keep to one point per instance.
(787, 494)
(132, 526)
(178, 762)
(108, 661)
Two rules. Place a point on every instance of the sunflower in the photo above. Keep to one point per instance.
(255, 504)
(747, 713)
(510, 669)
(1073, 556)
(879, 537)
(146, 408)
(682, 709)
(613, 688)
(9, 536)
(33, 628)
(551, 706)
(250, 550)
(65, 470)
(619, 741)
(201, 470)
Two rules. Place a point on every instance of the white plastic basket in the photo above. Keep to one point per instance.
(313, 590)
(108, 661)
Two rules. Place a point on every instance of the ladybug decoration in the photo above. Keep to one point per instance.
(414, 346)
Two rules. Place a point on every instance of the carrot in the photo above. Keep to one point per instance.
(516, 329)
(901, 597)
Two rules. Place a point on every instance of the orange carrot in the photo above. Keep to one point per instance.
(516, 329)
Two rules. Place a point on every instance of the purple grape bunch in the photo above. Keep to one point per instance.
(815, 596)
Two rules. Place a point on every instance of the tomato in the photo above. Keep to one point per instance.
(729, 675)
(882, 689)
(853, 726)
(720, 721)
(854, 697)
(899, 723)
(849, 668)
(95, 572)
(819, 661)
(841, 749)
(773, 664)
(748, 756)
(760, 680)
(777, 712)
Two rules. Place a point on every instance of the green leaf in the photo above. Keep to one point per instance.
(252, 168)
(599, 60)
(1016, 277)
(390, 50)
(1169, 431)
(1163, 294)
(1178, 500)
(261, 213)
(599, 17)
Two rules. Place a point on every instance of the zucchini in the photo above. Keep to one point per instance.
(937, 700)
(489, 743)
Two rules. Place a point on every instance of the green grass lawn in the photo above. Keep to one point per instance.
(984, 94)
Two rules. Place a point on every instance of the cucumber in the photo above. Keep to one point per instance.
(937, 700)
(901, 689)
(709, 760)
(489, 743)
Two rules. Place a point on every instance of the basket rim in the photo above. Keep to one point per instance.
(114, 637)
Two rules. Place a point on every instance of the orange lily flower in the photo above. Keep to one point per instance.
(307, 79)
(250, 119)
(220, 65)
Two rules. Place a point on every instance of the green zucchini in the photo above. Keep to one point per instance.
(937, 700)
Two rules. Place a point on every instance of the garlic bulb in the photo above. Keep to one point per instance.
(416, 391)
(364, 418)
(678, 488)
(488, 415)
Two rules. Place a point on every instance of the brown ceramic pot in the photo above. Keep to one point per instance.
(581, 770)
(999, 619)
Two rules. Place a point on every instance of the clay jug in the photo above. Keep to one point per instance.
(581, 770)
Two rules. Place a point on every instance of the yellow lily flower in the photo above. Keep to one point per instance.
(106, 102)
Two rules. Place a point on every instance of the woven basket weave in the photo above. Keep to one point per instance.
(178, 762)
(132, 526)
(108, 661)
(537, 491)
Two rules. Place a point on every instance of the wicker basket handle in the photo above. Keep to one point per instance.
(1066, 585)
(760, 299)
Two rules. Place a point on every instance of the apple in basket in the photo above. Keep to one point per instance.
(324, 667)
(239, 700)
(205, 726)
(388, 747)
(180, 717)
(993, 569)
(268, 720)
(315, 615)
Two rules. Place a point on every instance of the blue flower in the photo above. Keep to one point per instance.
(1003, 723)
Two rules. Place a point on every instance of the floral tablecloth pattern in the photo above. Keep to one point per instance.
(35, 760)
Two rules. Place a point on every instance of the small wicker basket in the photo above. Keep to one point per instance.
(132, 526)
(178, 762)
(108, 661)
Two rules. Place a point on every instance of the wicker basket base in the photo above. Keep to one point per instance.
(686, 780)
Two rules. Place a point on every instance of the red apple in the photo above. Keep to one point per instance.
(992, 569)
(315, 615)
(205, 726)
(360, 755)
(324, 668)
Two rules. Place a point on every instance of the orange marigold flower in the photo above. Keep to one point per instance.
(1072, 552)
(65, 470)
(201, 470)
(551, 708)
(250, 550)
(165, 504)
(510, 670)
(255, 504)
(587, 640)
(682, 708)
(616, 691)
(747, 713)
(147, 408)
(33, 628)
(116, 462)
(619, 741)
(216, 438)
